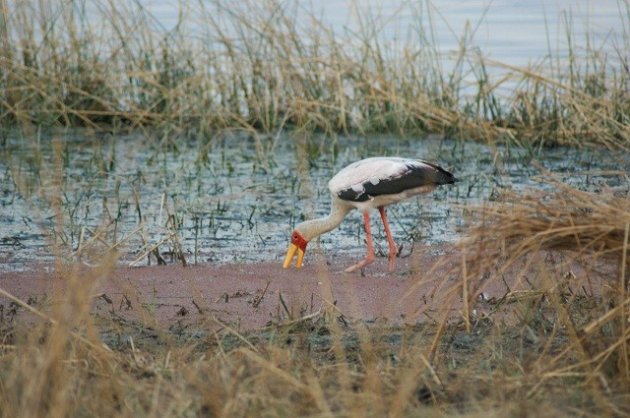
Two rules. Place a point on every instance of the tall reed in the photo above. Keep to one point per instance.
(275, 66)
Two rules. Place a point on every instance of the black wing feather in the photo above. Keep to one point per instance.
(414, 176)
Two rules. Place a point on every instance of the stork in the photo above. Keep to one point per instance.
(366, 184)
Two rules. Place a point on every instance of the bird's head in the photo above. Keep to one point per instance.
(298, 245)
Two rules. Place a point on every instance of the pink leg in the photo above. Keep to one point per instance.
(370, 246)
(390, 241)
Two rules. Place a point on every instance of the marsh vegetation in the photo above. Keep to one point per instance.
(125, 143)
(257, 68)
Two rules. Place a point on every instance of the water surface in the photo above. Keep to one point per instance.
(514, 32)
(238, 198)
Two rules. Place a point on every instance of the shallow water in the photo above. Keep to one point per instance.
(238, 198)
(514, 32)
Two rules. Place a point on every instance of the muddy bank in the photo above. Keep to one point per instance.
(249, 296)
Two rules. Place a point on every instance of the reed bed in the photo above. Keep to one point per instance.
(258, 68)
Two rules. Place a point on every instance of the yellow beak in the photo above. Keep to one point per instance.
(291, 253)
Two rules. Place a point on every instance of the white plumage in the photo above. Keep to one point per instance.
(366, 184)
(373, 169)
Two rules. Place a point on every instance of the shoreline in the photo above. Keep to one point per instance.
(252, 296)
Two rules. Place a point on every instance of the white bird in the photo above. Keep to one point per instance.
(370, 183)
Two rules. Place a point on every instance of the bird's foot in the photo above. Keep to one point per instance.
(392, 264)
(359, 265)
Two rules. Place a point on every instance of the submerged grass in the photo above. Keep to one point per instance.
(272, 66)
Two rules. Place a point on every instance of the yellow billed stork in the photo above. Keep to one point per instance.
(370, 183)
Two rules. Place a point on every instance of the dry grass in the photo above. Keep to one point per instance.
(529, 235)
(589, 224)
(257, 68)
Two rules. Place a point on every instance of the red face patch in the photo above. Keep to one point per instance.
(298, 240)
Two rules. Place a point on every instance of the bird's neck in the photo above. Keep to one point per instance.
(316, 227)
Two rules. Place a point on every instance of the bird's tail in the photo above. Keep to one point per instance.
(441, 176)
